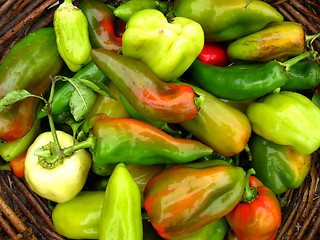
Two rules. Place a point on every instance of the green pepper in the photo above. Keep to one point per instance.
(184, 198)
(101, 25)
(133, 141)
(29, 65)
(278, 167)
(220, 126)
(79, 218)
(72, 36)
(236, 83)
(227, 20)
(121, 210)
(11, 150)
(127, 9)
(167, 48)
(287, 118)
(149, 95)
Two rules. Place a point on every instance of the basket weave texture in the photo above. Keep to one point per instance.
(24, 215)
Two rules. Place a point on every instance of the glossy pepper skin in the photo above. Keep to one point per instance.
(167, 48)
(79, 217)
(121, 210)
(278, 166)
(287, 118)
(218, 125)
(238, 84)
(72, 36)
(184, 198)
(213, 54)
(227, 20)
(259, 219)
(101, 25)
(276, 41)
(149, 95)
(132, 141)
(28, 65)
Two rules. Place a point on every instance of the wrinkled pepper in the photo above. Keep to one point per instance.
(227, 20)
(72, 36)
(129, 140)
(184, 198)
(218, 125)
(278, 167)
(287, 118)
(167, 48)
(102, 24)
(258, 215)
(79, 218)
(149, 95)
(121, 210)
(29, 65)
(277, 41)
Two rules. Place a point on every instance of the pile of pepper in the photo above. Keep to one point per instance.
(159, 114)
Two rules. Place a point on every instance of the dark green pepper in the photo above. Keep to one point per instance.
(237, 83)
(277, 166)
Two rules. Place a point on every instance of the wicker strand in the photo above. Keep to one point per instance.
(6, 227)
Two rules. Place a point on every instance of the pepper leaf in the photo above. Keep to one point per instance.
(101, 88)
(81, 100)
(13, 97)
(316, 99)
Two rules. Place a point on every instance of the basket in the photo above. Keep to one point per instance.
(25, 215)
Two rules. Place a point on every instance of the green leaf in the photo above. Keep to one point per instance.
(101, 88)
(13, 97)
(316, 99)
(74, 126)
(81, 100)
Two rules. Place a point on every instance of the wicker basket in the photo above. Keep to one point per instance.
(24, 215)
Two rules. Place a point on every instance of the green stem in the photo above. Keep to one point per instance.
(292, 61)
(249, 194)
(309, 38)
(5, 166)
(68, 2)
(88, 143)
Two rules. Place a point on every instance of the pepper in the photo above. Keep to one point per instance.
(239, 84)
(60, 108)
(11, 150)
(157, 100)
(44, 175)
(213, 54)
(79, 218)
(287, 118)
(29, 65)
(133, 141)
(184, 198)
(278, 167)
(17, 164)
(218, 125)
(167, 48)
(72, 36)
(277, 41)
(121, 210)
(227, 20)
(258, 215)
(101, 25)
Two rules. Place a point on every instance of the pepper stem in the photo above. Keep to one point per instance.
(287, 64)
(88, 143)
(250, 193)
(310, 38)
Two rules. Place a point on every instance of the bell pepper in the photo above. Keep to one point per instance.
(278, 167)
(167, 48)
(157, 100)
(133, 141)
(277, 41)
(60, 180)
(227, 20)
(213, 54)
(258, 215)
(184, 198)
(17, 164)
(79, 217)
(101, 25)
(218, 125)
(121, 210)
(72, 36)
(28, 65)
(287, 118)
(11, 150)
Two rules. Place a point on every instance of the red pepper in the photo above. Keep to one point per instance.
(258, 215)
(101, 25)
(17, 165)
(213, 54)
